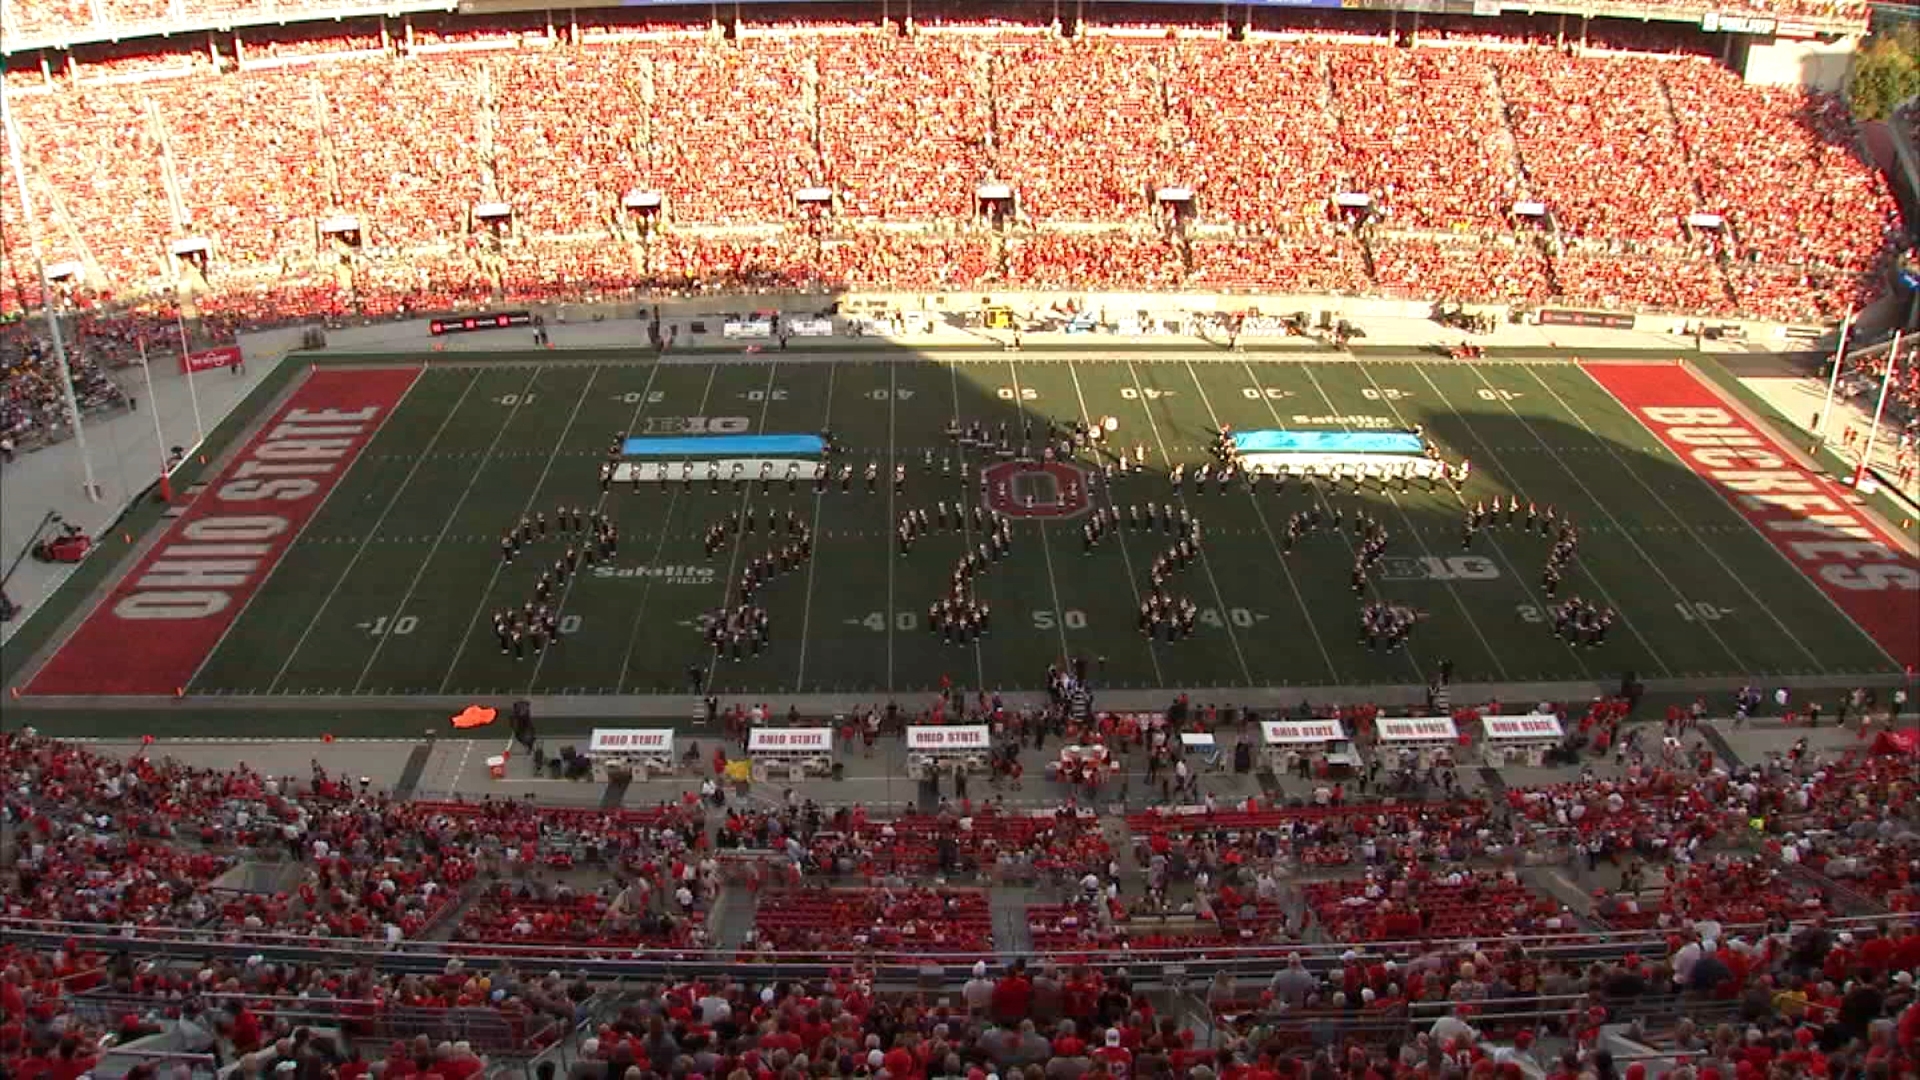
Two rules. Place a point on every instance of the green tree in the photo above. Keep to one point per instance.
(1885, 73)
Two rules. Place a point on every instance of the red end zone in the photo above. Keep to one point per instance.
(160, 623)
(1806, 516)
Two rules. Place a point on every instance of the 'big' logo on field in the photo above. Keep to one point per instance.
(1035, 489)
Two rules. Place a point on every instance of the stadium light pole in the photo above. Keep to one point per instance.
(14, 160)
(1833, 379)
(1873, 433)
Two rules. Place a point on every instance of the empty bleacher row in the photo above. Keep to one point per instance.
(1629, 154)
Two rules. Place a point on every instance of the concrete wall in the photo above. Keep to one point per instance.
(1817, 65)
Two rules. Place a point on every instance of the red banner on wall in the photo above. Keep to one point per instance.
(210, 359)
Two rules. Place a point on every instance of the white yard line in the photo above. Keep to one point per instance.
(1462, 500)
(1317, 495)
(893, 519)
(1413, 531)
(813, 562)
(1206, 564)
(1306, 615)
(374, 530)
(1119, 532)
(659, 548)
(1514, 485)
(1602, 506)
(961, 504)
(666, 533)
(1678, 518)
(560, 605)
(1046, 551)
(528, 506)
(473, 478)
(339, 482)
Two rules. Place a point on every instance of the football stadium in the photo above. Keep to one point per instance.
(1366, 540)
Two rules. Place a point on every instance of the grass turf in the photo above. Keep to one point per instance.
(389, 589)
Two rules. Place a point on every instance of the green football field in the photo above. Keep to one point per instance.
(389, 589)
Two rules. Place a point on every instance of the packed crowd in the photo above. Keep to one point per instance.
(1777, 215)
(33, 410)
(141, 844)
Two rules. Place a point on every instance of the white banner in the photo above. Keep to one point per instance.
(758, 328)
(933, 738)
(1424, 729)
(1535, 727)
(663, 472)
(657, 742)
(1263, 326)
(1301, 732)
(811, 327)
(774, 741)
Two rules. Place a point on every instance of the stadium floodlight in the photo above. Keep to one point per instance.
(18, 165)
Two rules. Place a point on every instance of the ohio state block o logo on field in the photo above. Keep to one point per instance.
(1033, 489)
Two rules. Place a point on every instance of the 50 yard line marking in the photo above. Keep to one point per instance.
(813, 563)
(1205, 563)
(374, 530)
(1053, 585)
(1119, 532)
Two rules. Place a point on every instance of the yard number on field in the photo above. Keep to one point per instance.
(380, 627)
(512, 400)
(1699, 610)
(635, 397)
(775, 394)
(1148, 392)
(1239, 616)
(1382, 394)
(1072, 619)
(1487, 394)
(899, 393)
(1271, 393)
(902, 620)
(1024, 393)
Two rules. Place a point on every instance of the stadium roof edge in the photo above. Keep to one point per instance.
(1703, 13)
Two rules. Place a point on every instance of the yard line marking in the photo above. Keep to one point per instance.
(632, 421)
(1514, 486)
(1205, 562)
(893, 519)
(1591, 497)
(1320, 497)
(1046, 551)
(1679, 520)
(966, 526)
(339, 482)
(1120, 533)
(392, 501)
(673, 500)
(746, 496)
(473, 478)
(1306, 615)
(1452, 591)
(813, 564)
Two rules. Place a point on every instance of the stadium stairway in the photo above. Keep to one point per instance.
(731, 916)
(1712, 736)
(1007, 909)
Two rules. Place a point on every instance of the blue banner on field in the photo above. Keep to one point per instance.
(1328, 442)
(733, 446)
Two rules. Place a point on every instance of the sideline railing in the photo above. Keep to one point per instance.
(1148, 966)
